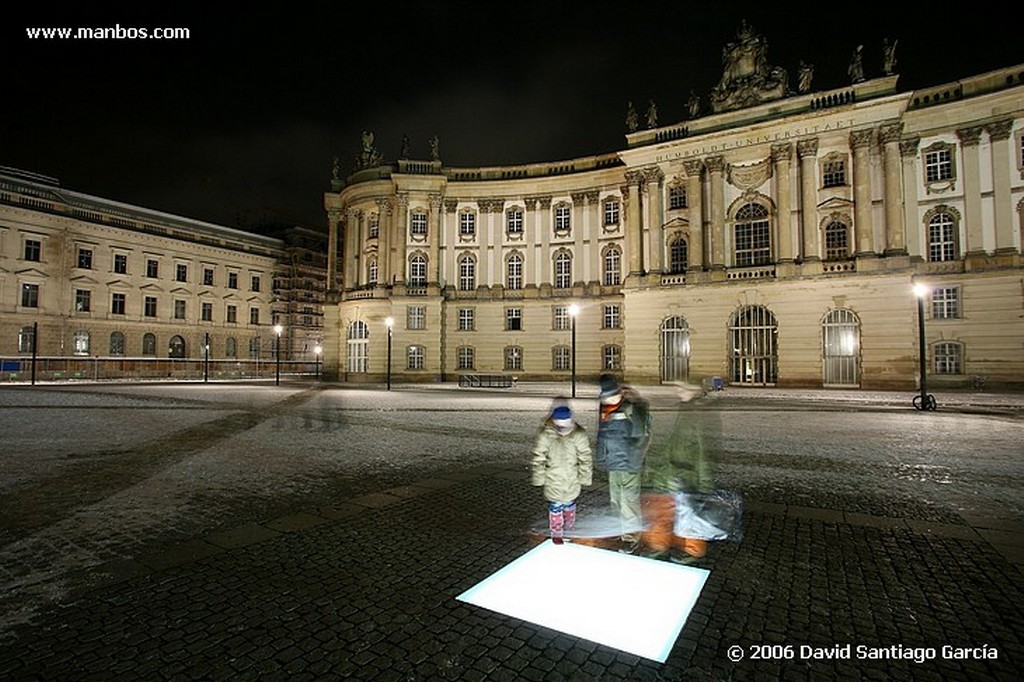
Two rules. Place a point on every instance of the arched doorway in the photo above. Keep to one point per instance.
(675, 349)
(753, 347)
(176, 347)
(840, 333)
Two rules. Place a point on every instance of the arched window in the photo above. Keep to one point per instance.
(753, 242)
(254, 347)
(563, 270)
(358, 346)
(149, 344)
(612, 267)
(417, 270)
(467, 273)
(753, 346)
(942, 230)
(117, 343)
(230, 347)
(840, 340)
(81, 342)
(176, 347)
(675, 349)
(837, 241)
(678, 254)
(514, 271)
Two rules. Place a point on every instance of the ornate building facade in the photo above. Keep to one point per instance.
(773, 239)
(86, 277)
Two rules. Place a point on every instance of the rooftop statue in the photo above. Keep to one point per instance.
(889, 57)
(747, 78)
(806, 75)
(652, 115)
(369, 157)
(632, 120)
(856, 68)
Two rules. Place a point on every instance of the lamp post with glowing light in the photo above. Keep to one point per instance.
(925, 401)
(574, 310)
(277, 355)
(317, 350)
(390, 322)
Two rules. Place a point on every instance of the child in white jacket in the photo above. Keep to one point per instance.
(563, 463)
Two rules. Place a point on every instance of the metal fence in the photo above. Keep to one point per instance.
(21, 369)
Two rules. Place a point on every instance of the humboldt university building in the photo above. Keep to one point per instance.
(773, 238)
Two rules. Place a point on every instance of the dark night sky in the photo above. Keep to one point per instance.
(240, 123)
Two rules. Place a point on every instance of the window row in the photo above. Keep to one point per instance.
(561, 318)
(82, 343)
(467, 220)
(150, 305)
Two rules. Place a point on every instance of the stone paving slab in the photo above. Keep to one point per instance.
(371, 595)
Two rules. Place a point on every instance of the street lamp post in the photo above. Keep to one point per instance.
(277, 355)
(206, 358)
(574, 310)
(390, 322)
(317, 350)
(924, 401)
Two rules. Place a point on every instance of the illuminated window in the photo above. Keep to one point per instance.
(612, 267)
(948, 358)
(514, 271)
(753, 236)
(418, 270)
(945, 303)
(415, 357)
(942, 242)
(80, 343)
(563, 270)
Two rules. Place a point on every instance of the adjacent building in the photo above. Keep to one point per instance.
(87, 277)
(772, 238)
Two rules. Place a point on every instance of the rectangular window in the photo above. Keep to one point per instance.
(85, 259)
(29, 295)
(208, 277)
(513, 319)
(152, 268)
(467, 224)
(560, 318)
(833, 173)
(149, 306)
(179, 309)
(514, 358)
(232, 314)
(416, 317)
(255, 283)
(466, 319)
(254, 315)
(938, 165)
(33, 249)
(611, 358)
(948, 358)
(514, 221)
(374, 225)
(612, 318)
(121, 263)
(945, 303)
(415, 357)
(207, 312)
(561, 358)
(418, 224)
(611, 212)
(117, 302)
(677, 197)
(180, 272)
(563, 218)
(83, 298)
(466, 357)
(232, 280)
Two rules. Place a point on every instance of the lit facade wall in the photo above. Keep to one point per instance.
(771, 245)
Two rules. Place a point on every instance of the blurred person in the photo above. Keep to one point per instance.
(563, 463)
(623, 434)
(676, 470)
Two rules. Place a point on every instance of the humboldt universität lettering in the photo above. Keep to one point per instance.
(754, 140)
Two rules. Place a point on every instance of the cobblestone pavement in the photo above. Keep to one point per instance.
(258, 532)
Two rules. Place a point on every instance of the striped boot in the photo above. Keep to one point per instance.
(556, 522)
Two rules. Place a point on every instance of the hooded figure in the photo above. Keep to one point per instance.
(563, 463)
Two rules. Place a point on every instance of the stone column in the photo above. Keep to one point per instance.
(353, 228)
(999, 134)
(970, 138)
(863, 228)
(392, 238)
(782, 154)
(908, 148)
(656, 215)
(633, 245)
(531, 238)
(580, 266)
(334, 217)
(544, 265)
(807, 150)
(695, 260)
(716, 173)
(433, 241)
(895, 233)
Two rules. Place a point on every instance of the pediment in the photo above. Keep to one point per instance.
(835, 204)
(32, 272)
(83, 279)
(181, 291)
(151, 287)
(118, 284)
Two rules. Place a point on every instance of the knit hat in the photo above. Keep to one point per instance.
(609, 386)
(561, 417)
